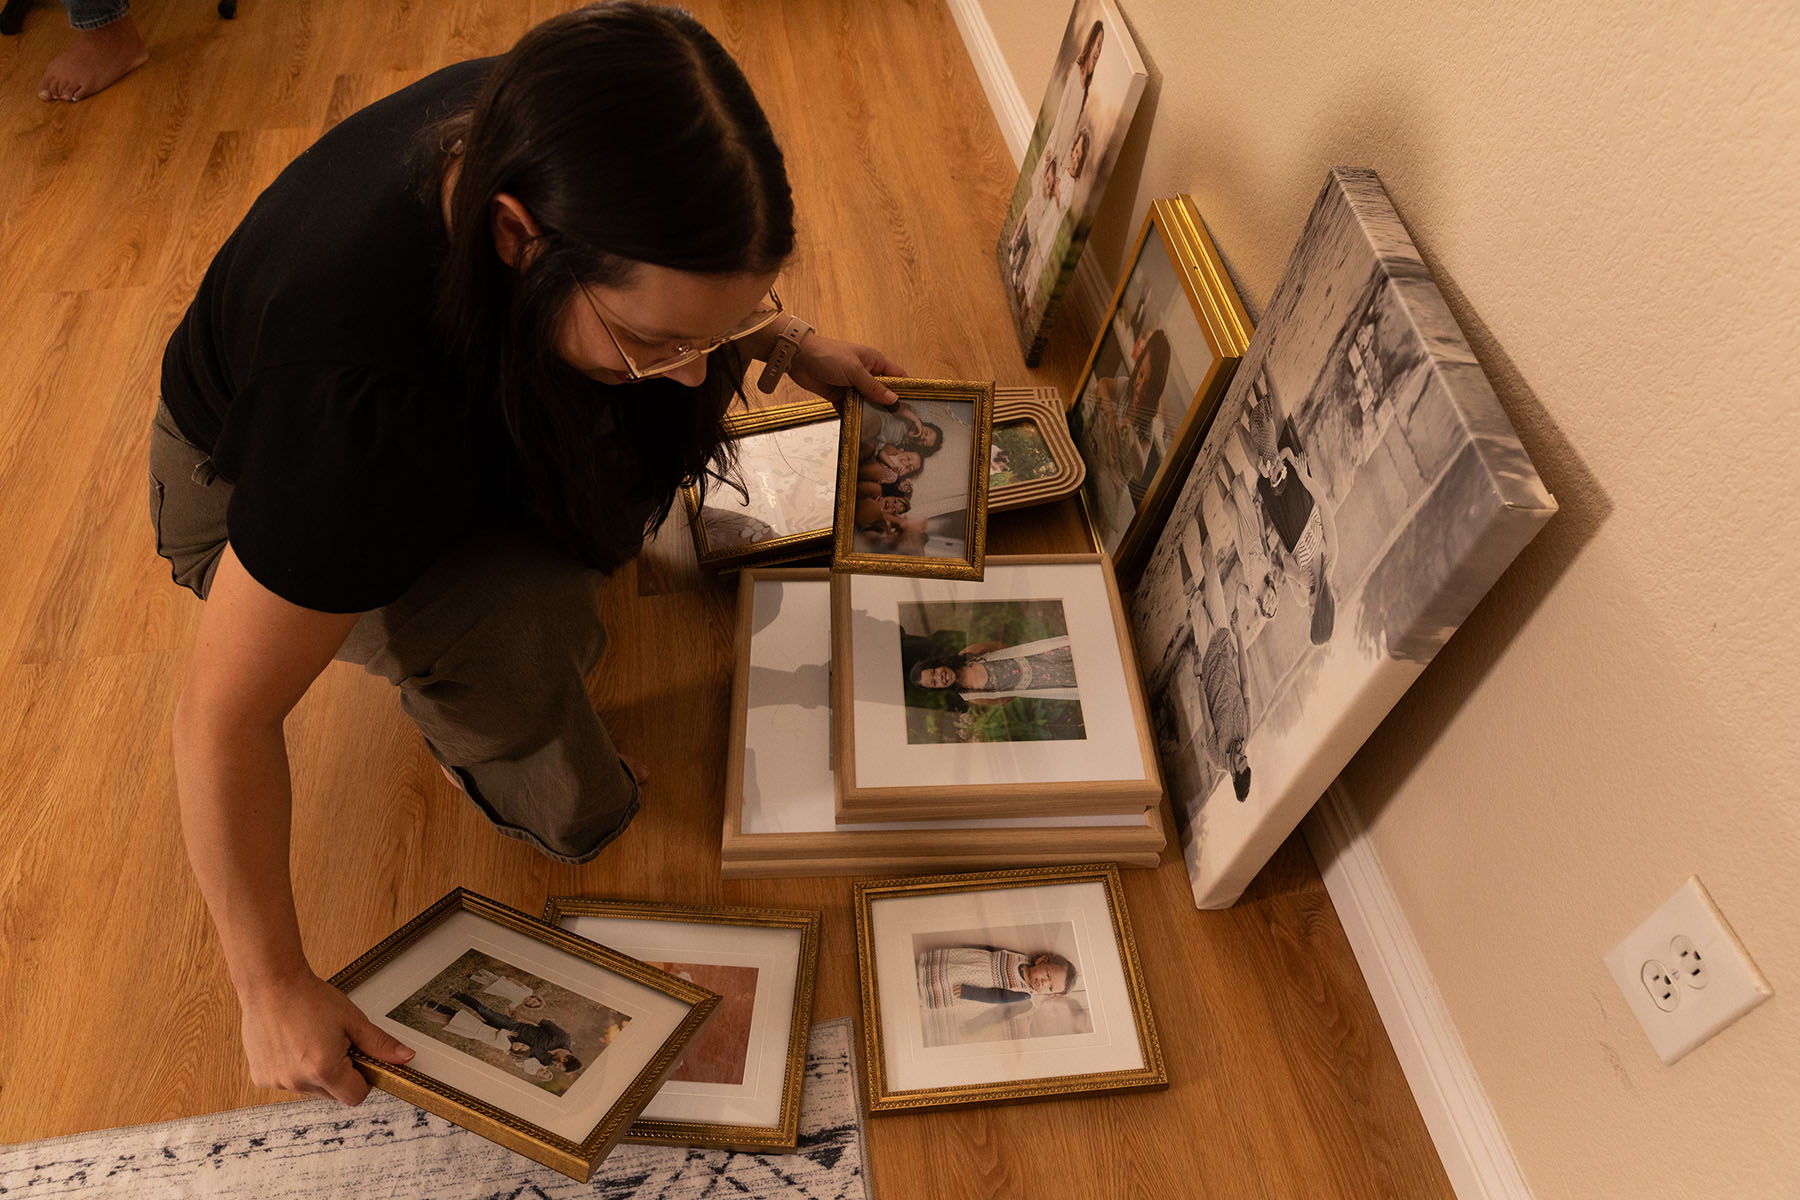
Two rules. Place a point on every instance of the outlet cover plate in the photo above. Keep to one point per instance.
(1734, 986)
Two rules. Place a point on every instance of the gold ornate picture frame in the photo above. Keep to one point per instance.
(912, 489)
(507, 1015)
(739, 1083)
(780, 800)
(787, 468)
(1170, 342)
(1031, 458)
(1001, 985)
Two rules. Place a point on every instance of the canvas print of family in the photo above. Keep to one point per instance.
(1094, 89)
(1012, 984)
(1356, 495)
(912, 478)
(507, 1017)
(988, 671)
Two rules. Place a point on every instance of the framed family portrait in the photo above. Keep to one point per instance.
(912, 484)
(1012, 696)
(523, 1033)
(780, 797)
(780, 500)
(1031, 457)
(1001, 985)
(1166, 351)
(738, 1084)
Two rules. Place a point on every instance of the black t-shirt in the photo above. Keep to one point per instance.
(307, 367)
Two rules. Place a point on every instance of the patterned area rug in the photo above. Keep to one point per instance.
(387, 1148)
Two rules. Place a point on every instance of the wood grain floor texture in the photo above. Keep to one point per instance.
(117, 1007)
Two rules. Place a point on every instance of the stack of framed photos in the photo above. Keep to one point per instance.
(782, 499)
(916, 724)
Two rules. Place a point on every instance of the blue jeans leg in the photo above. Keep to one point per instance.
(92, 14)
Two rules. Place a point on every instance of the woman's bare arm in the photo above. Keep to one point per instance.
(254, 657)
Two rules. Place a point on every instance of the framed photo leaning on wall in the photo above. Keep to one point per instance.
(1171, 340)
(1001, 985)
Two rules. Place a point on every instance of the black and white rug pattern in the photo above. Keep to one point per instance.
(386, 1148)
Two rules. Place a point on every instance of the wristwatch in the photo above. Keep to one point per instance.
(781, 355)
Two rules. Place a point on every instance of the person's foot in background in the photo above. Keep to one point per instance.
(98, 59)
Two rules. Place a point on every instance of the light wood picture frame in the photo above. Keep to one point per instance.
(739, 1083)
(787, 468)
(1031, 458)
(1169, 344)
(1000, 986)
(1014, 696)
(912, 488)
(473, 960)
(780, 797)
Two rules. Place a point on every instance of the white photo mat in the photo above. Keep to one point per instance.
(884, 759)
(775, 953)
(654, 1018)
(788, 787)
(909, 1064)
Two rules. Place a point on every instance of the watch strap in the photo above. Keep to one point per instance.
(781, 354)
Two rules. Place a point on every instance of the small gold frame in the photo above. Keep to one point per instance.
(845, 557)
(574, 1159)
(1227, 329)
(883, 1099)
(1043, 408)
(784, 1135)
(787, 546)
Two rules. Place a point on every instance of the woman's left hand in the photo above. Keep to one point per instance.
(828, 367)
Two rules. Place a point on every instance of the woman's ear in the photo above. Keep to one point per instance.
(515, 233)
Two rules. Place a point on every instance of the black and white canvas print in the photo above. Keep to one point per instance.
(1009, 983)
(1094, 90)
(912, 479)
(1138, 398)
(508, 1017)
(1358, 493)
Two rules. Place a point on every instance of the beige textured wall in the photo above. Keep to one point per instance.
(1610, 196)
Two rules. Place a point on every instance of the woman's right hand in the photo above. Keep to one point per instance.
(298, 1034)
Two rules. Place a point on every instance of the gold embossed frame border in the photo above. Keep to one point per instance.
(942, 534)
(739, 1086)
(1001, 985)
(499, 1095)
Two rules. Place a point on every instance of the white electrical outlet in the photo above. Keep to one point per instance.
(1685, 974)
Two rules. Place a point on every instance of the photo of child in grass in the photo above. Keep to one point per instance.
(988, 985)
(510, 1018)
(1018, 453)
(988, 671)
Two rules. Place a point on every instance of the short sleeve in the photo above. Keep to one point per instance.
(347, 483)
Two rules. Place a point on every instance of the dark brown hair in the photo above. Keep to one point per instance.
(630, 136)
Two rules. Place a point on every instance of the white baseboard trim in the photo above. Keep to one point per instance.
(1091, 292)
(1470, 1141)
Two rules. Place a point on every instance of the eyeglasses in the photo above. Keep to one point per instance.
(684, 352)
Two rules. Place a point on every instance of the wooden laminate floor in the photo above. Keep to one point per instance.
(117, 1006)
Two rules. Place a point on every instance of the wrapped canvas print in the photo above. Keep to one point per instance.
(1357, 494)
(1094, 90)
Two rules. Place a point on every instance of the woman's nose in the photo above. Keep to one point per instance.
(692, 374)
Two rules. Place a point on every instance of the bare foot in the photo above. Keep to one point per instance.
(640, 770)
(98, 59)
